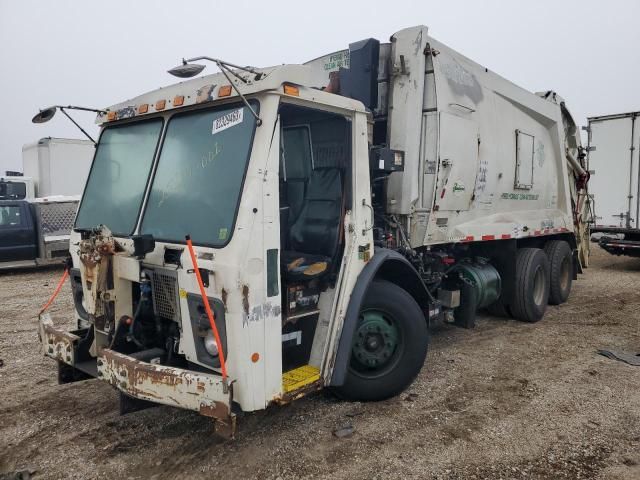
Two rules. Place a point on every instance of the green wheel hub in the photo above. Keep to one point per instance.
(375, 341)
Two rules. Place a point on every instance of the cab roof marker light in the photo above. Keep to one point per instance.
(224, 91)
(291, 90)
(144, 108)
(160, 104)
(178, 100)
(111, 116)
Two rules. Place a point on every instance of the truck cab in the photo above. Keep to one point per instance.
(275, 197)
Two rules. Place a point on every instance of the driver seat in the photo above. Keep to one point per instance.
(313, 237)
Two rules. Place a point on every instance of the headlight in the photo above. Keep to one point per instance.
(210, 344)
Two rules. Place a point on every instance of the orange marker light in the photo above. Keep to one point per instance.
(111, 116)
(291, 90)
(224, 91)
(160, 104)
(255, 357)
(144, 108)
(178, 100)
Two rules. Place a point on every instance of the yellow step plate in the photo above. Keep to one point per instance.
(299, 377)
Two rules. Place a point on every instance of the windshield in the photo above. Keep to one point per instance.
(198, 181)
(118, 177)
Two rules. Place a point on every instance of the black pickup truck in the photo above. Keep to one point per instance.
(35, 232)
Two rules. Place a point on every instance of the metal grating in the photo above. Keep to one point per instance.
(57, 218)
(166, 301)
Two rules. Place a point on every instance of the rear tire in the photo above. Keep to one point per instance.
(531, 293)
(389, 345)
(561, 270)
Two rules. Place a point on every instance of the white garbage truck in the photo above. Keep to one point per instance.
(251, 236)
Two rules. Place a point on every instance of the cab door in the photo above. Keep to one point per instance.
(17, 232)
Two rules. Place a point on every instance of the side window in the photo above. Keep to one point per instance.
(297, 156)
(10, 216)
(524, 160)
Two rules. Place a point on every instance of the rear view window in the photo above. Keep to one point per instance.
(10, 216)
(13, 190)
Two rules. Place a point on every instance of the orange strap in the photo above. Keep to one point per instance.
(57, 291)
(207, 307)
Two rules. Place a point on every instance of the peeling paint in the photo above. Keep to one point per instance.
(461, 81)
(245, 299)
(205, 93)
(224, 294)
(261, 312)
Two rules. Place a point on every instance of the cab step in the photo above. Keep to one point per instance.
(299, 377)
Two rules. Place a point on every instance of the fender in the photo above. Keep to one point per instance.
(388, 265)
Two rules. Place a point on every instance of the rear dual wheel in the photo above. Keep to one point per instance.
(531, 292)
(543, 276)
(560, 270)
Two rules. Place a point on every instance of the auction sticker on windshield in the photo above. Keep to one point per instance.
(227, 120)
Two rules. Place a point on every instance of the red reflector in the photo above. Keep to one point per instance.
(448, 260)
(505, 236)
(442, 194)
(488, 237)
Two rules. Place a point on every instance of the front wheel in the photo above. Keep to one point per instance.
(389, 344)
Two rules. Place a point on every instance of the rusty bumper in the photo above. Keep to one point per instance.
(204, 393)
(57, 344)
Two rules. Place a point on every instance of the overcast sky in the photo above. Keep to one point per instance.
(95, 54)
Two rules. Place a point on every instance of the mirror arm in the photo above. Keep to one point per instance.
(76, 123)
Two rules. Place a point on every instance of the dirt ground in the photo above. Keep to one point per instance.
(505, 400)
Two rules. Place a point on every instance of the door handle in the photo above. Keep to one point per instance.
(365, 204)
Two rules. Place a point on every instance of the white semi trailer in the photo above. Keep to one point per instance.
(614, 156)
(323, 219)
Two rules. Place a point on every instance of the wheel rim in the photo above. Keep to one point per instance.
(376, 345)
(538, 286)
(565, 273)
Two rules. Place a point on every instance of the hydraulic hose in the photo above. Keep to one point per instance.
(207, 307)
(56, 292)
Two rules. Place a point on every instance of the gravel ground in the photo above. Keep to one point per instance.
(505, 400)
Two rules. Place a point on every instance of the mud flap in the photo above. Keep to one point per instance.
(465, 314)
(69, 374)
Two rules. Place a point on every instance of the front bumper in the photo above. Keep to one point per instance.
(201, 392)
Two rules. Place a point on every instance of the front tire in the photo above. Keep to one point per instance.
(532, 285)
(389, 344)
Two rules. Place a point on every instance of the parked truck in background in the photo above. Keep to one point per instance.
(336, 210)
(50, 166)
(35, 232)
(614, 155)
(37, 207)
